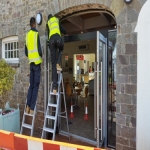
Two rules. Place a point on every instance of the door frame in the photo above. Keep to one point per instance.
(101, 96)
(93, 35)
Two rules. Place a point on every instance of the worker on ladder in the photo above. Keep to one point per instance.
(56, 46)
(34, 53)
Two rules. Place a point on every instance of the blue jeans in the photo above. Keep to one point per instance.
(35, 73)
(56, 49)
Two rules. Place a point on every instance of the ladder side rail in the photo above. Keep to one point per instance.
(64, 98)
(49, 97)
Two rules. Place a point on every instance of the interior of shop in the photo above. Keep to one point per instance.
(78, 73)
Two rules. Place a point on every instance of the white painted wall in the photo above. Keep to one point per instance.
(143, 78)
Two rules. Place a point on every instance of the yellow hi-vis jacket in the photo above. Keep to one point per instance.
(53, 25)
(31, 43)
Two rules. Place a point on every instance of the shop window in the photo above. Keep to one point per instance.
(10, 51)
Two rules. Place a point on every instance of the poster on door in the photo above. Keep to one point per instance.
(79, 57)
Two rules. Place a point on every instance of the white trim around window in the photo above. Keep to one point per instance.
(10, 50)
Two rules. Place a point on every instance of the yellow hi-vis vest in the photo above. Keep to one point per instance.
(53, 25)
(32, 46)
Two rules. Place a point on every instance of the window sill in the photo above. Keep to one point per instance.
(14, 65)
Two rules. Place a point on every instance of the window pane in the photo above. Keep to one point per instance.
(8, 46)
(12, 54)
(6, 54)
(11, 46)
(14, 45)
(17, 53)
(17, 45)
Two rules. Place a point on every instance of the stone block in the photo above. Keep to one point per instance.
(126, 28)
(120, 119)
(134, 35)
(128, 121)
(123, 141)
(122, 79)
(120, 88)
(124, 98)
(131, 49)
(128, 148)
(133, 79)
(129, 70)
(133, 59)
(132, 15)
(134, 99)
(133, 143)
(133, 121)
(123, 59)
(119, 146)
(129, 110)
(119, 51)
(118, 108)
(118, 69)
(117, 7)
(128, 132)
(130, 89)
(118, 130)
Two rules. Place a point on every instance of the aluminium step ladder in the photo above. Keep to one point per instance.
(52, 116)
(25, 125)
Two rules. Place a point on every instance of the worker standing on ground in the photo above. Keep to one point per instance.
(34, 53)
(56, 46)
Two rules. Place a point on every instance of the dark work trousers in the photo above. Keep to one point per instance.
(56, 49)
(35, 73)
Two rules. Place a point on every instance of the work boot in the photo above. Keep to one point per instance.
(31, 112)
(27, 109)
(58, 67)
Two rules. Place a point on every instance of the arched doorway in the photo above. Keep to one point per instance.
(92, 33)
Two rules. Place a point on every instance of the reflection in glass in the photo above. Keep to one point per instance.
(17, 53)
(12, 54)
(8, 46)
(9, 54)
(11, 46)
(14, 45)
(112, 89)
(6, 54)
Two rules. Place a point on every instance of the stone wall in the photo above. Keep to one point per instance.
(14, 20)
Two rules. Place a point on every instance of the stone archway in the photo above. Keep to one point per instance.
(68, 7)
(126, 17)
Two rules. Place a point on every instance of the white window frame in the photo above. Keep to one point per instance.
(9, 40)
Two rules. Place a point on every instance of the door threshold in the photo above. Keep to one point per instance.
(91, 142)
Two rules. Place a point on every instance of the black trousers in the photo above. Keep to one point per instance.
(56, 48)
(35, 73)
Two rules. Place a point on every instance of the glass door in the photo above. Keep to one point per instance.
(100, 95)
(112, 89)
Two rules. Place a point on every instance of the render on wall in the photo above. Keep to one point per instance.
(143, 78)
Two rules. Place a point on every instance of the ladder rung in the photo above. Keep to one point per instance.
(48, 130)
(51, 117)
(62, 93)
(27, 126)
(52, 105)
(62, 116)
(51, 93)
(28, 114)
